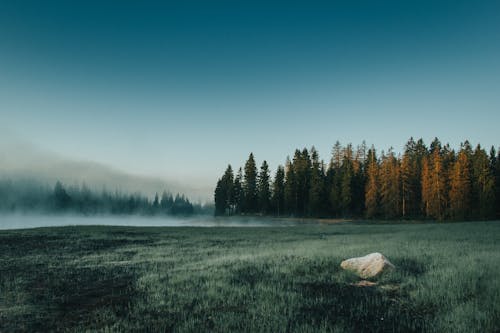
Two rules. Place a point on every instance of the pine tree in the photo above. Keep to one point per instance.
(156, 204)
(372, 185)
(460, 187)
(223, 194)
(302, 174)
(317, 186)
(347, 172)
(250, 186)
(390, 193)
(263, 189)
(433, 183)
(238, 195)
(483, 185)
(497, 184)
(334, 180)
(290, 189)
(406, 183)
(278, 191)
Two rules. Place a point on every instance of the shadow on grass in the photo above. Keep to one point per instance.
(358, 309)
(66, 298)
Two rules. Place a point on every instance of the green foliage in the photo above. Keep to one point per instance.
(278, 191)
(264, 190)
(34, 197)
(224, 198)
(250, 186)
(123, 279)
(435, 183)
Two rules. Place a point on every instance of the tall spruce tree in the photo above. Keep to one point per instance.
(278, 191)
(460, 187)
(250, 186)
(238, 195)
(263, 189)
(290, 188)
(223, 193)
(372, 185)
(483, 185)
(390, 194)
(317, 186)
(334, 182)
(497, 184)
(347, 173)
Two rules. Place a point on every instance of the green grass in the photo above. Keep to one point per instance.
(250, 279)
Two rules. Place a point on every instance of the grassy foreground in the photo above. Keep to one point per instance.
(250, 279)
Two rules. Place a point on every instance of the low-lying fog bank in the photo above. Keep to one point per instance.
(20, 221)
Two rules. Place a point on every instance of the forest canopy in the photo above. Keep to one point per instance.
(434, 182)
(31, 196)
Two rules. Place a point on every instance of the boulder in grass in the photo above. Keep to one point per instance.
(369, 266)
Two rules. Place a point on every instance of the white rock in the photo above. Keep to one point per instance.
(368, 266)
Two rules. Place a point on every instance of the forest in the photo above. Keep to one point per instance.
(32, 196)
(434, 182)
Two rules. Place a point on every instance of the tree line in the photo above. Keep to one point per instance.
(434, 182)
(31, 196)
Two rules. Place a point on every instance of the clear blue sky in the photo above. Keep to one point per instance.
(180, 90)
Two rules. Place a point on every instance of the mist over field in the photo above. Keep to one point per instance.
(25, 221)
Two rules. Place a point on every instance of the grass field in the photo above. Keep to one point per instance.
(250, 279)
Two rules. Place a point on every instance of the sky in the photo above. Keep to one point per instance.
(180, 89)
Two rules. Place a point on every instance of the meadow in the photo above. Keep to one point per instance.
(267, 279)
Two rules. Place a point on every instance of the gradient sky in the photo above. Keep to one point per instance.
(179, 90)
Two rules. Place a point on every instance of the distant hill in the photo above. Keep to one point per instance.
(23, 160)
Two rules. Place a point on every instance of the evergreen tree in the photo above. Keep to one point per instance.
(433, 183)
(250, 186)
(223, 193)
(406, 183)
(347, 174)
(302, 176)
(62, 200)
(263, 189)
(483, 185)
(372, 185)
(278, 191)
(334, 180)
(166, 201)
(460, 187)
(390, 194)
(290, 189)
(497, 184)
(317, 186)
(238, 195)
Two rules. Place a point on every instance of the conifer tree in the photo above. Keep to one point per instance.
(372, 185)
(390, 193)
(263, 189)
(302, 174)
(483, 185)
(406, 183)
(347, 172)
(460, 187)
(497, 184)
(317, 186)
(278, 191)
(223, 193)
(238, 195)
(290, 188)
(433, 186)
(334, 177)
(250, 185)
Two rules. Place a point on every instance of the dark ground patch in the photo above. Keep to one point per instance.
(68, 297)
(358, 309)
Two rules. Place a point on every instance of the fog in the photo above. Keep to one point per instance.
(23, 160)
(20, 221)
